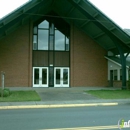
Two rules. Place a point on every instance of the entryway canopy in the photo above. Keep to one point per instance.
(80, 13)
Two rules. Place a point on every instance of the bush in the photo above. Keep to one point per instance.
(6, 92)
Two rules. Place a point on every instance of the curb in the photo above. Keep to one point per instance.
(57, 106)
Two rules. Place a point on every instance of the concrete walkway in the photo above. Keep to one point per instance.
(62, 97)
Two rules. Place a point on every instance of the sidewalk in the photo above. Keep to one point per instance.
(63, 97)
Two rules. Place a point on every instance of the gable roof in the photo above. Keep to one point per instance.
(118, 61)
(81, 13)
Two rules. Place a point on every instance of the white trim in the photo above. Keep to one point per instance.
(115, 62)
(40, 76)
(61, 77)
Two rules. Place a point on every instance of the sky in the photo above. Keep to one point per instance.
(7, 6)
(117, 10)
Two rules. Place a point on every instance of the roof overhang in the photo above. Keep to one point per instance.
(117, 61)
(81, 13)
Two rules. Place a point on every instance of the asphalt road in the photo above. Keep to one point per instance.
(76, 118)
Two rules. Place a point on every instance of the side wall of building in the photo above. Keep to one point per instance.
(88, 65)
(15, 57)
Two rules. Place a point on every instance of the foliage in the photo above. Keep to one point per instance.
(6, 92)
(19, 96)
(110, 94)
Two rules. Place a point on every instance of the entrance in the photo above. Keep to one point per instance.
(40, 77)
(49, 77)
(61, 77)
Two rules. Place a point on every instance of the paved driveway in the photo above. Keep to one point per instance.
(64, 94)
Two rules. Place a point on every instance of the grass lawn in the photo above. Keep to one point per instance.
(110, 94)
(19, 96)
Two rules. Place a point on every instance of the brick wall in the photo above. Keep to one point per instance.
(88, 65)
(14, 57)
(118, 84)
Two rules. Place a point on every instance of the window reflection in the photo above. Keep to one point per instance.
(51, 42)
(42, 40)
(43, 24)
(36, 76)
(35, 30)
(58, 76)
(51, 28)
(59, 40)
(44, 76)
(65, 76)
(67, 44)
(47, 37)
(35, 42)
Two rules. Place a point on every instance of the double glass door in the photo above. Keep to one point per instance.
(40, 77)
(43, 78)
(61, 77)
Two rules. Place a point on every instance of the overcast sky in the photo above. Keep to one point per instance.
(116, 10)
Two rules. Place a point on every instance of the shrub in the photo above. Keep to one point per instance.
(6, 92)
(7, 89)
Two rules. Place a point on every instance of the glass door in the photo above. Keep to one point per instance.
(61, 77)
(40, 77)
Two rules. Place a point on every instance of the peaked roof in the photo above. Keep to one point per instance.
(81, 13)
(117, 59)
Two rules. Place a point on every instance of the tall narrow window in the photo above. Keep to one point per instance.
(51, 36)
(35, 30)
(36, 76)
(34, 42)
(59, 40)
(42, 40)
(120, 74)
(51, 28)
(67, 44)
(115, 74)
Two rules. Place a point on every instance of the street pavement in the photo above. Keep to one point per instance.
(72, 118)
(63, 97)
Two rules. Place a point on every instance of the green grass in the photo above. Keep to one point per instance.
(110, 94)
(20, 96)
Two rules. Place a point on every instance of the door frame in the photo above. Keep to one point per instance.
(40, 77)
(61, 77)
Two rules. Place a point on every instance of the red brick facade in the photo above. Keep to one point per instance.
(14, 57)
(88, 67)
